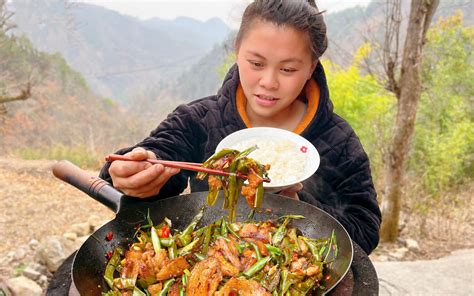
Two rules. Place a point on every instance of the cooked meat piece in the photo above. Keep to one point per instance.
(174, 290)
(173, 268)
(205, 278)
(231, 254)
(242, 287)
(226, 267)
(155, 289)
(251, 231)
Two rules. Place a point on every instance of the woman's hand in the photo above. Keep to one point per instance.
(292, 192)
(140, 178)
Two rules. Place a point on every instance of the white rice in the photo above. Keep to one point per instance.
(286, 160)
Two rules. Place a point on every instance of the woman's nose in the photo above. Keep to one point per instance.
(269, 80)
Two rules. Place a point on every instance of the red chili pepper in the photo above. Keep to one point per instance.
(165, 232)
(109, 236)
(109, 254)
(233, 293)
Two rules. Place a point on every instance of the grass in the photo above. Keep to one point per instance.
(79, 155)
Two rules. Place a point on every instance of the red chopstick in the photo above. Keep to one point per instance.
(190, 166)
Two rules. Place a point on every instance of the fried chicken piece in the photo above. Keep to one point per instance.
(242, 287)
(173, 268)
(205, 278)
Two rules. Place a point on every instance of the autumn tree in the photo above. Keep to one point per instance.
(404, 80)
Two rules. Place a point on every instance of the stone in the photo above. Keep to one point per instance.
(23, 286)
(31, 273)
(51, 252)
(70, 236)
(81, 229)
(412, 245)
(33, 244)
(20, 253)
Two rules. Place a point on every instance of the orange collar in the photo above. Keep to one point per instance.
(312, 94)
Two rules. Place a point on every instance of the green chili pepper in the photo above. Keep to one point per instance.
(259, 265)
(200, 257)
(229, 227)
(111, 266)
(172, 251)
(138, 292)
(274, 250)
(155, 240)
(166, 242)
(185, 236)
(181, 292)
(184, 279)
(207, 239)
(166, 287)
(259, 196)
(280, 233)
(185, 250)
(257, 251)
(223, 227)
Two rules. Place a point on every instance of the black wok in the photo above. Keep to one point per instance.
(90, 260)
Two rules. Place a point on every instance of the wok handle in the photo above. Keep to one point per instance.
(94, 186)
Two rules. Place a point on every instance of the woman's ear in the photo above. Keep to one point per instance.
(313, 67)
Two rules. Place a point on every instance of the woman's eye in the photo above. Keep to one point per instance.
(288, 70)
(256, 64)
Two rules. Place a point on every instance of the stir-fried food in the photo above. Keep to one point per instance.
(222, 258)
(236, 163)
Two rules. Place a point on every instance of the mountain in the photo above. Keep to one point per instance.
(202, 34)
(120, 56)
(63, 117)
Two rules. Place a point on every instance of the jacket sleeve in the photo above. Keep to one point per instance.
(176, 138)
(351, 197)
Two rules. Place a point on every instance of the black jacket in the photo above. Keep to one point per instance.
(342, 185)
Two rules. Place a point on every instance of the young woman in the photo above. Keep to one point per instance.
(277, 81)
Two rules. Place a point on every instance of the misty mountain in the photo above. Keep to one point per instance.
(203, 34)
(120, 56)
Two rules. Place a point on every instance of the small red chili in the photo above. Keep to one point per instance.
(108, 255)
(109, 236)
(165, 232)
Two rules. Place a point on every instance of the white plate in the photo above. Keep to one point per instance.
(305, 153)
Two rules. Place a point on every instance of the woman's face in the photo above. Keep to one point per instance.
(274, 65)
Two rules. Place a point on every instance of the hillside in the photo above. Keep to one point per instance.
(120, 57)
(63, 117)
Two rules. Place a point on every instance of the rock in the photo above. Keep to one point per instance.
(70, 236)
(43, 281)
(33, 244)
(412, 245)
(399, 253)
(81, 229)
(31, 274)
(34, 271)
(20, 253)
(23, 286)
(51, 252)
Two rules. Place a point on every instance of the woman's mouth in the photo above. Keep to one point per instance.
(266, 101)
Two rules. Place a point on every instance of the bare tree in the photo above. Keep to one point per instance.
(25, 90)
(405, 83)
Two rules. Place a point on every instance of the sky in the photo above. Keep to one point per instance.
(228, 10)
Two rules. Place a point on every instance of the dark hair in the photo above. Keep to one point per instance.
(302, 15)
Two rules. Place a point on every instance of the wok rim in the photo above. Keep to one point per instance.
(124, 211)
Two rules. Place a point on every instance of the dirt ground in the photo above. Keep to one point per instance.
(35, 204)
